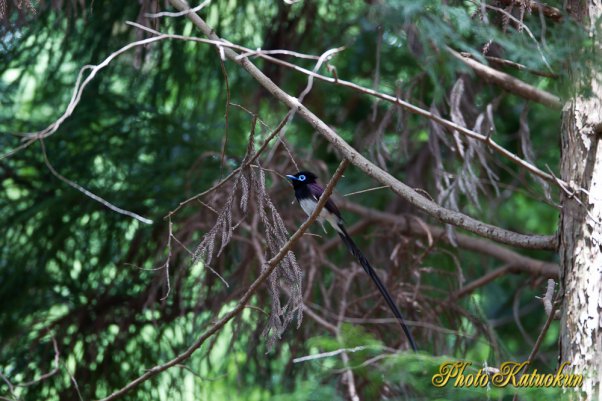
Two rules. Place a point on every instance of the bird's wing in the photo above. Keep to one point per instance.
(316, 191)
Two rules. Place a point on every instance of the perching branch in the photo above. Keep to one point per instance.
(272, 264)
(401, 189)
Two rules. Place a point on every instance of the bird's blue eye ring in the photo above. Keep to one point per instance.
(301, 177)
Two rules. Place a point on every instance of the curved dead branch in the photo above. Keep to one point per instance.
(509, 83)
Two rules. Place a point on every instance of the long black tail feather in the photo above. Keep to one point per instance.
(355, 251)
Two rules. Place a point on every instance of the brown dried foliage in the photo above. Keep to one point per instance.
(250, 184)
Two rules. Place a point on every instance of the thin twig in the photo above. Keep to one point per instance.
(237, 170)
(366, 190)
(310, 82)
(49, 374)
(332, 353)
(252, 53)
(79, 88)
(376, 79)
(226, 116)
(181, 13)
(347, 372)
(166, 265)
(524, 26)
(543, 332)
(88, 193)
(206, 266)
(508, 82)
(508, 63)
(571, 194)
(75, 385)
(480, 282)
(11, 388)
(348, 377)
(17, 149)
(540, 338)
(516, 314)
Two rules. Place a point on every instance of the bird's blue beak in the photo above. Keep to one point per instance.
(292, 177)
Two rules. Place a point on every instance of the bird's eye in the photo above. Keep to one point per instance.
(301, 177)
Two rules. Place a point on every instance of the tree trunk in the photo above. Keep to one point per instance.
(581, 225)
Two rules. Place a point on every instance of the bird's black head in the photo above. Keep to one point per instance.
(302, 178)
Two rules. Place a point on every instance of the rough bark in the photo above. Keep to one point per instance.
(581, 226)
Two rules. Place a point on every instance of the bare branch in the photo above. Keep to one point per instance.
(319, 319)
(509, 83)
(332, 353)
(411, 226)
(181, 13)
(516, 313)
(480, 282)
(49, 374)
(348, 378)
(366, 190)
(542, 334)
(260, 52)
(347, 372)
(80, 86)
(166, 265)
(11, 388)
(508, 63)
(226, 116)
(75, 385)
(88, 193)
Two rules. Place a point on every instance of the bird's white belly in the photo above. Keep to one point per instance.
(309, 205)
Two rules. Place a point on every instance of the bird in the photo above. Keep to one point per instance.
(308, 193)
